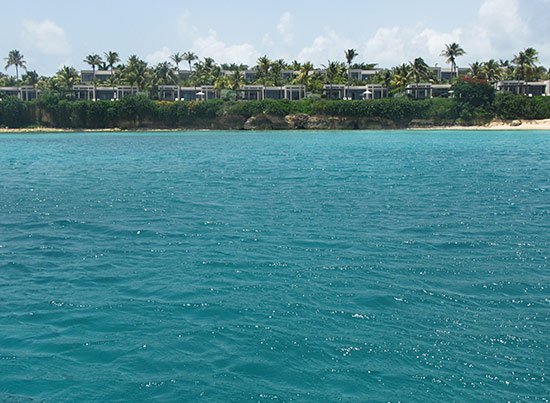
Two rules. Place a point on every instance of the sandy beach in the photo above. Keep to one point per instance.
(543, 124)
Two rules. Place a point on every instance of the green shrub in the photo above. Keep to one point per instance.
(14, 113)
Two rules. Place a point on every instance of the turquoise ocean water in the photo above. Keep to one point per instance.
(308, 266)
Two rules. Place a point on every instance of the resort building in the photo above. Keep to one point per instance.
(260, 92)
(252, 92)
(363, 92)
(250, 75)
(428, 90)
(363, 75)
(520, 87)
(123, 91)
(274, 93)
(168, 92)
(201, 93)
(87, 76)
(86, 92)
(294, 92)
(446, 74)
(441, 90)
(25, 92)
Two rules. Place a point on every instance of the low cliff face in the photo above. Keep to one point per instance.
(315, 122)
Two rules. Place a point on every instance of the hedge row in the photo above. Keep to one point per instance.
(473, 105)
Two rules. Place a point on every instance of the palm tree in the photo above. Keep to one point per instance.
(492, 71)
(401, 76)
(111, 58)
(525, 62)
(67, 77)
(451, 52)
(303, 77)
(295, 65)
(30, 78)
(205, 72)
(476, 70)
(334, 72)
(93, 60)
(177, 58)
(16, 59)
(263, 65)
(164, 73)
(350, 55)
(236, 80)
(137, 73)
(221, 82)
(190, 57)
(419, 70)
(277, 66)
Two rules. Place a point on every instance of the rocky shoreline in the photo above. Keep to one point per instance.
(264, 122)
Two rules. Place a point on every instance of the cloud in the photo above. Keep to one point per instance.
(211, 46)
(185, 27)
(328, 46)
(45, 36)
(284, 27)
(498, 32)
(159, 56)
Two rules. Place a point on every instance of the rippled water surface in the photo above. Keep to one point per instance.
(353, 266)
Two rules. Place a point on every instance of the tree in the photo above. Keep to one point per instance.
(350, 55)
(476, 93)
(164, 74)
(492, 71)
(525, 62)
(335, 72)
(305, 71)
(451, 52)
(190, 57)
(476, 70)
(93, 60)
(177, 58)
(419, 70)
(263, 65)
(66, 78)
(401, 76)
(236, 80)
(30, 78)
(111, 58)
(137, 73)
(206, 72)
(221, 82)
(16, 59)
(275, 71)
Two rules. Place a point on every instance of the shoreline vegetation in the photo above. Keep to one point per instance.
(475, 105)
(340, 96)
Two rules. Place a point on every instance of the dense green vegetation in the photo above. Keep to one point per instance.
(474, 100)
(474, 103)
(205, 71)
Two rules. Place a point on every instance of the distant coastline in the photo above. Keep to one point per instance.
(496, 125)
